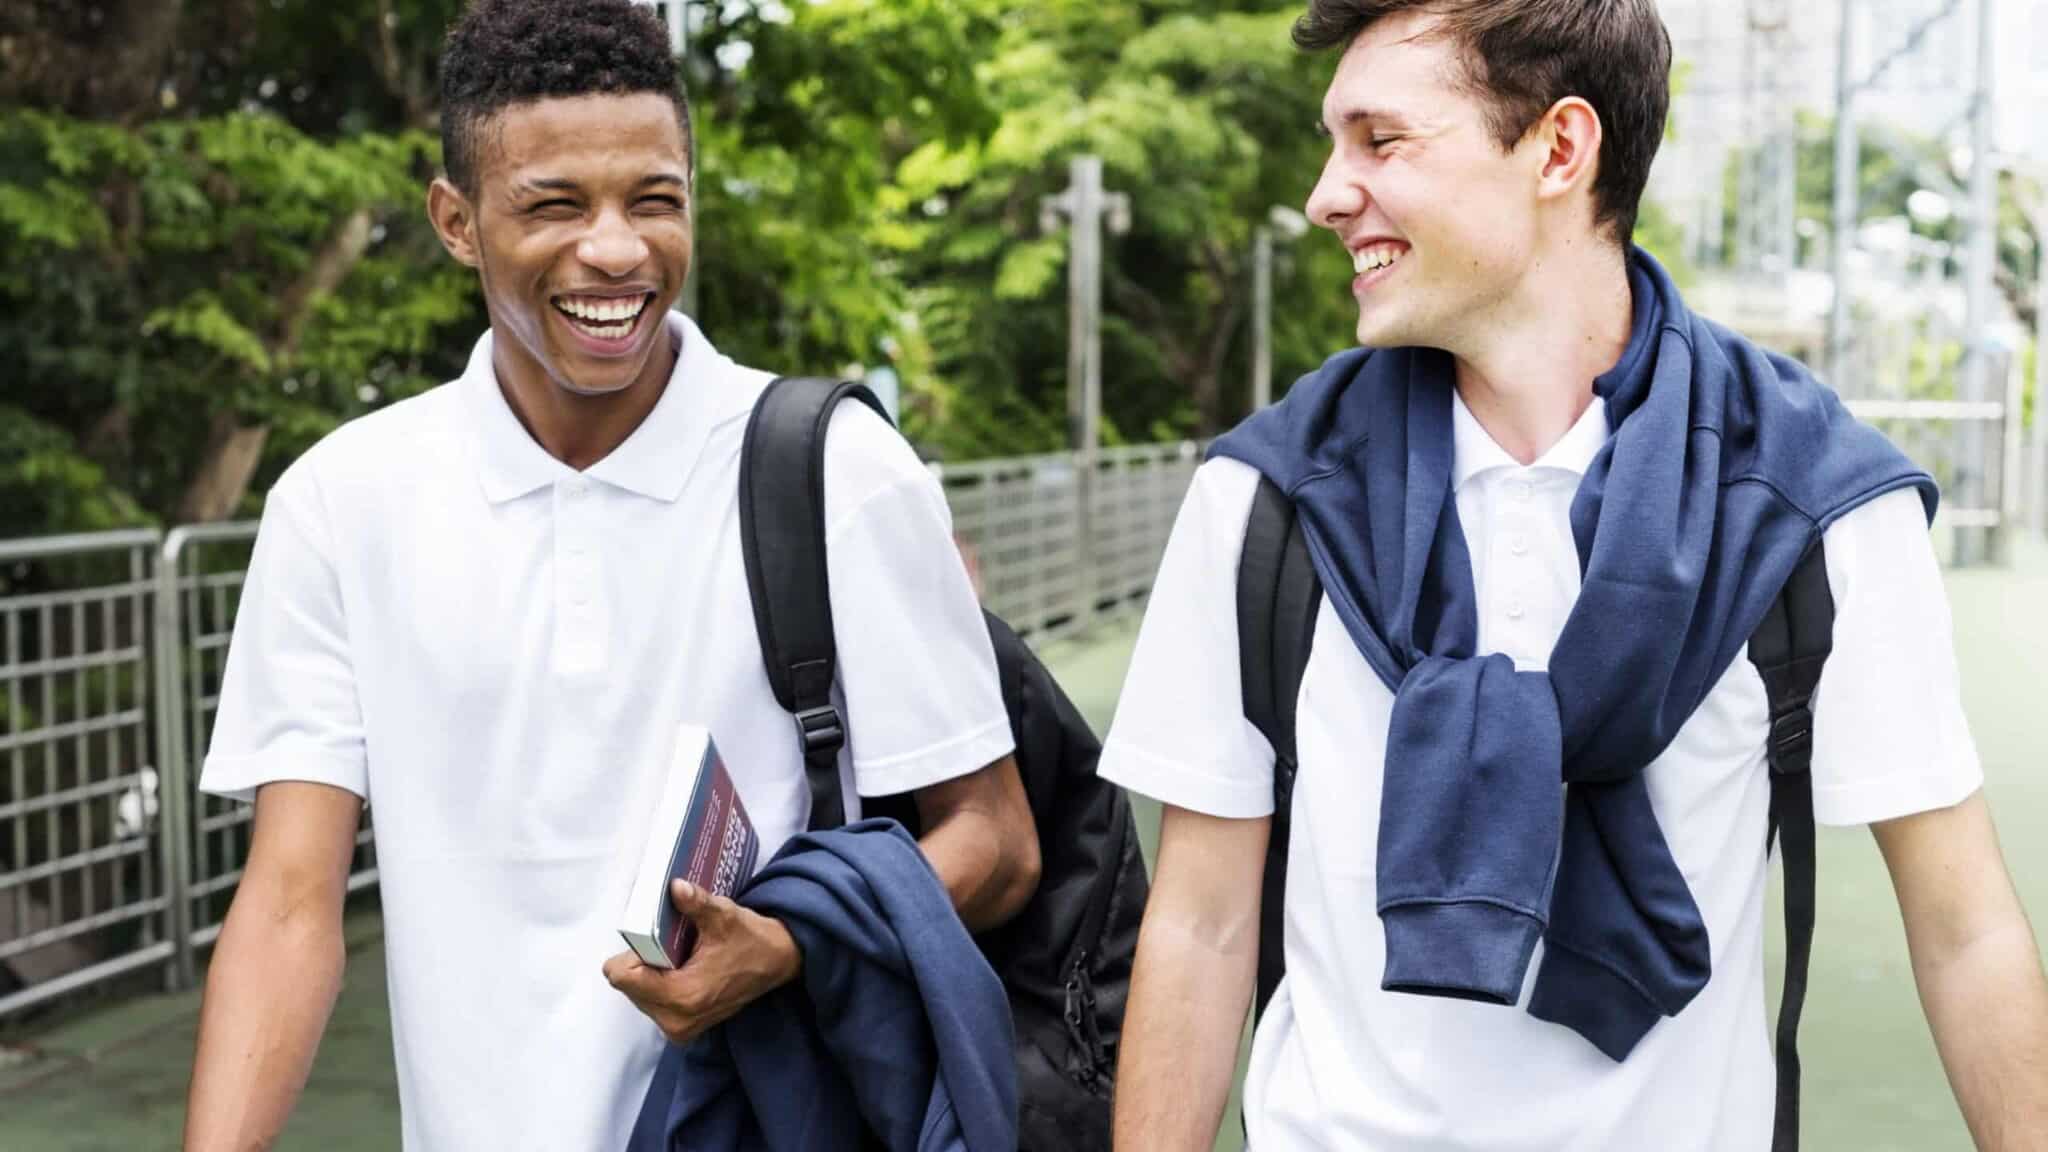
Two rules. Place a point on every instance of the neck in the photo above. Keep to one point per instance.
(577, 428)
(1527, 375)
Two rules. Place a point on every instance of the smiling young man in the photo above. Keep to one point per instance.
(1548, 506)
(487, 610)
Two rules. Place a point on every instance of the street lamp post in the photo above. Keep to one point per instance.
(1087, 209)
(1290, 225)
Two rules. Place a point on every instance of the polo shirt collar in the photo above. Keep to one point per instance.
(654, 461)
(1475, 451)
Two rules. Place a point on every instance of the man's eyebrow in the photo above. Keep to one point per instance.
(1361, 114)
(547, 184)
(663, 178)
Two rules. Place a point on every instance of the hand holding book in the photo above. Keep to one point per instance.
(739, 957)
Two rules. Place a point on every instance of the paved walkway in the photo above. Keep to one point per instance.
(113, 1080)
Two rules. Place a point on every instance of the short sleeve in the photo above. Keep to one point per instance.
(288, 706)
(1890, 737)
(916, 666)
(1180, 735)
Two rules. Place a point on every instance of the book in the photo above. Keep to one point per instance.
(698, 832)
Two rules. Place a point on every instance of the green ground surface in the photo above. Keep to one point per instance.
(113, 1078)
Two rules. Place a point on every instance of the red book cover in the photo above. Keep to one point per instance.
(699, 833)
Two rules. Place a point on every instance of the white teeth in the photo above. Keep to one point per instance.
(1369, 259)
(596, 313)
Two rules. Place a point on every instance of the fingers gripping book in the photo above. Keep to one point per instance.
(699, 833)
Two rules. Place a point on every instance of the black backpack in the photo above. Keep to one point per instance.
(1065, 959)
(1278, 595)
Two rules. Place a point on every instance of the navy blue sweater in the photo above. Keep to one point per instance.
(897, 1029)
(1725, 465)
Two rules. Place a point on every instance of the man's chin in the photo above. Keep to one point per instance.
(1376, 332)
(594, 385)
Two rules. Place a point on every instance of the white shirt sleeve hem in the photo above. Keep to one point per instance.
(1903, 793)
(951, 759)
(1181, 785)
(238, 777)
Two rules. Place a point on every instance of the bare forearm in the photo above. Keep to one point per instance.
(275, 973)
(987, 879)
(1987, 1004)
(1181, 1030)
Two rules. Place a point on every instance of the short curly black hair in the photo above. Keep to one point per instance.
(507, 52)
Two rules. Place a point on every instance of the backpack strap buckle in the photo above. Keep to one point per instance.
(1791, 742)
(820, 730)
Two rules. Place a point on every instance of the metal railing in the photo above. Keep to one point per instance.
(84, 864)
(1016, 522)
(113, 647)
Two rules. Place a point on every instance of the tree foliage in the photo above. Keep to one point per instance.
(218, 255)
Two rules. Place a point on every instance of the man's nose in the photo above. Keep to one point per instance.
(1338, 197)
(612, 246)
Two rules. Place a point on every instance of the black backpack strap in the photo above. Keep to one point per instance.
(782, 536)
(1277, 597)
(1788, 649)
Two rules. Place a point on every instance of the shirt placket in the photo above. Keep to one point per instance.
(581, 611)
(1518, 583)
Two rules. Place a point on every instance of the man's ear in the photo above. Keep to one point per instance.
(1569, 136)
(454, 219)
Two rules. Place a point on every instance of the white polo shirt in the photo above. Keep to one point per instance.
(1339, 1064)
(496, 650)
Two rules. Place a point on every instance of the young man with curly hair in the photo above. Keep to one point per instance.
(1532, 769)
(488, 608)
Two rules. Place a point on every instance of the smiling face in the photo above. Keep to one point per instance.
(579, 229)
(1441, 222)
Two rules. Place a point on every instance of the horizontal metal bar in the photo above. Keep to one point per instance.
(52, 732)
(234, 817)
(73, 928)
(84, 543)
(87, 597)
(105, 659)
(84, 978)
(189, 534)
(102, 855)
(220, 883)
(44, 801)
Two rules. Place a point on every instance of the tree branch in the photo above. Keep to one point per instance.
(400, 79)
(331, 265)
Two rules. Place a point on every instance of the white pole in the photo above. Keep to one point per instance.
(1983, 256)
(1847, 173)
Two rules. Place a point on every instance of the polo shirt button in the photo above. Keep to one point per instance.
(1515, 611)
(578, 487)
(1523, 489)
(1519, 545)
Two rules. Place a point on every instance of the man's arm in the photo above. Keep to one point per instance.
(276, 969)
(982, 841)
(1197, 960)
(1977, 967)
(979, 837)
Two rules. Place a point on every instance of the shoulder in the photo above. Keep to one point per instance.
(387, 448)
(1879, 540)
(1221, 493)
(381, 452)
(868, 462)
